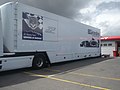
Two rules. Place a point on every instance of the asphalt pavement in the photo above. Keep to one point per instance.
(86, 74)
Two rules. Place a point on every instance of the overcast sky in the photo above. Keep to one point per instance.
(103, 14)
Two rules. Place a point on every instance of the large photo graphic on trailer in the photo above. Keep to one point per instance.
(32, 26)
(93, 42)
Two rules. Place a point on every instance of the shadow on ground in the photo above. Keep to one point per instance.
(14, 77)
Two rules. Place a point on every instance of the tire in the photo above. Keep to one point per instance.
(39, 61)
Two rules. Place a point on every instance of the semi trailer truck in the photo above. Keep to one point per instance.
(31, 37)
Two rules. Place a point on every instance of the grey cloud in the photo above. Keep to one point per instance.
(71, 8)
(85, 18)
(67, 8)
(112, 31)
(104, 24)
(109, 5)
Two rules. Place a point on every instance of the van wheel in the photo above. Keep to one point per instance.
(39, 61)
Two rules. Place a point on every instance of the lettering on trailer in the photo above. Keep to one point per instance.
(93, 33)
(32, 26)
(50, 29)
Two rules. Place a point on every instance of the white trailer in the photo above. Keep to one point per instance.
(31, 37)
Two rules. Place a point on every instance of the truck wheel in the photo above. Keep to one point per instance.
(39, 61)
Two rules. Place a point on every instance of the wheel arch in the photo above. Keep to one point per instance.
(47, 61)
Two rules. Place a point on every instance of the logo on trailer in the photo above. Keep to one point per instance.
(93, 33)
(32, 26)
(33, 22)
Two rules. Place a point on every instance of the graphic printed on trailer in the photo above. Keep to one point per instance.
(32, 26)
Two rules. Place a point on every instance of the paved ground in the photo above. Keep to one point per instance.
(89, 74)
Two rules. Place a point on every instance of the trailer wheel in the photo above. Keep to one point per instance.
(39, 61)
